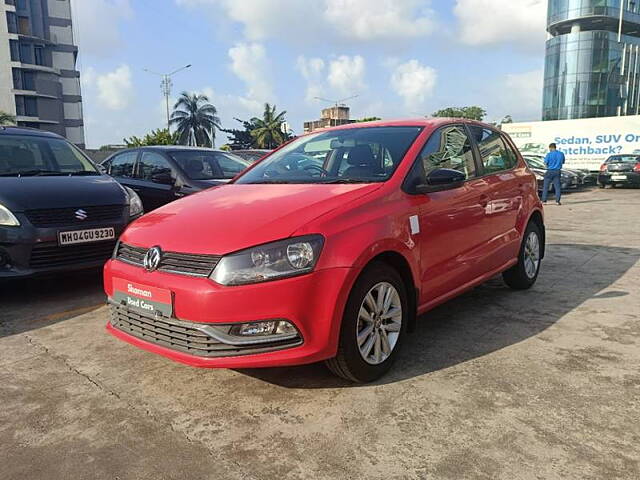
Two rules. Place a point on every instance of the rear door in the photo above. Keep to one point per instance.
(507, 180)
(451, 223)
(155, 180)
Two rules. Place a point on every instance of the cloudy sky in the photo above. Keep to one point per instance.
(401, 57)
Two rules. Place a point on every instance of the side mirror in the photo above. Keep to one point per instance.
(162, 178)
(441, 179)
(101, 168)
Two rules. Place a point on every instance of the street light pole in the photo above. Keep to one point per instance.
(165, 86)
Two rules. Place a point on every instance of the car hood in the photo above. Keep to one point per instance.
(26, 193)
(233, 217)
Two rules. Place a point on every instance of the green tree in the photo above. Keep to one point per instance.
(368, 119)
(195, 120)
(7, 118)
(472, 113)
(241, 138)
(268, 129)
(156, 137)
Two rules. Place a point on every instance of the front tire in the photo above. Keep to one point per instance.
(373, 327)
(523, 275)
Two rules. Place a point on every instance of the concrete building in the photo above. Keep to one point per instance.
(330, 117)
(39, 83)
(592, 59)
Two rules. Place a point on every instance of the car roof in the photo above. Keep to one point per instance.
(31, 132)
(433, 122)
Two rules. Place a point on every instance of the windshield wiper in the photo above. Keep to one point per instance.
(347, 180)
(35, 172)
(83, 172)
(261, 182)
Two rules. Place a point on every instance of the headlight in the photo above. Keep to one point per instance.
(285, 258)
(135, 204)
(8, 219)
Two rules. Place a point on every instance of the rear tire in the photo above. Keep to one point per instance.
(375, 318)
(523, 275)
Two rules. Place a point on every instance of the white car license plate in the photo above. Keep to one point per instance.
(86, 236)
(618, 177)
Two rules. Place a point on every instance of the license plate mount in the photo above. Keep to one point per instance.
(618, 177)
(142, 298)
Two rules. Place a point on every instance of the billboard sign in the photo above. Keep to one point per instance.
(586, 143)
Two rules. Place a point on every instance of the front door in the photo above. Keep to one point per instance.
(451, 223)
(155, 180)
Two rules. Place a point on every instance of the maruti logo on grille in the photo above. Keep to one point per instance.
(81, 214)
(152, 258)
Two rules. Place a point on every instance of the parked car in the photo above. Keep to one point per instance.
(329, 248)
(57, 210)
(620, 170)
(164, 173)
(251, 155)
(569, 179)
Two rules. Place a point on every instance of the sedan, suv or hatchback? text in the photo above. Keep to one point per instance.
(329, 248)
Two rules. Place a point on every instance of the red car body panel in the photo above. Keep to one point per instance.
(466, 236)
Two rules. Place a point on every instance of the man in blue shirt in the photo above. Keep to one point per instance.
(554, 161)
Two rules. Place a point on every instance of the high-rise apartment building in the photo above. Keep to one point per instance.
(39, 82)
(592, 59)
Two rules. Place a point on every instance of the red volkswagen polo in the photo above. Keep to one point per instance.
(328, 248)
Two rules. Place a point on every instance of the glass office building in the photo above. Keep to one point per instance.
(592, 59)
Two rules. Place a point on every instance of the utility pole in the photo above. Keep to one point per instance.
(165, 85)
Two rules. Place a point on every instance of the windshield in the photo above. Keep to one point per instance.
(535, 162)
(353, 155)
(623, 159)
(203, 165)
(25, 155)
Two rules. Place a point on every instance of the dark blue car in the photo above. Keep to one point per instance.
(58, 211)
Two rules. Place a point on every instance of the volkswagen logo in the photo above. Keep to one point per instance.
(152, 259)
(80, 214)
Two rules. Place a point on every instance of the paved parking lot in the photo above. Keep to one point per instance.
(496, 384)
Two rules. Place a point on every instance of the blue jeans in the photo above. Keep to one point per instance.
(551, 177)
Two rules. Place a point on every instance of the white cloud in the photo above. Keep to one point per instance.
(327, 20)
(249, 62)
(380, 19)
(521, 96)
(114, 90)
(520, 23)
(346, 74)
(96, 24)
(312, 69)
(414, 82)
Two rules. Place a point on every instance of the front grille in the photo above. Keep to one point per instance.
(178, 335)
(55, 217)
(171, 262)
(51, 255)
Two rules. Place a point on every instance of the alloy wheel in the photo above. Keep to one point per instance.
(379, 323)
(531, 254)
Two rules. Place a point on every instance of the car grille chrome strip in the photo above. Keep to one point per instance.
(186, 337)
(171, 262)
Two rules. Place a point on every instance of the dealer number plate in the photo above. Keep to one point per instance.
(618, 177)
(86, 236)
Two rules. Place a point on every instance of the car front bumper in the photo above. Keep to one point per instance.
(27, 251)
(313, 303)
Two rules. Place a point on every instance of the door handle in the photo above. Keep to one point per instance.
(484, 200)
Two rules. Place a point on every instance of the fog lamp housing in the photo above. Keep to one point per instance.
(263, 328)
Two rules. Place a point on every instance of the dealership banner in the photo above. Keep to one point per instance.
(586, 143)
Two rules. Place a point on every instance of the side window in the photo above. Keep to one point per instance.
(230, 166)
(122, 164)
(151, 164)
(449, 147)
(511, 154)
(493, 150)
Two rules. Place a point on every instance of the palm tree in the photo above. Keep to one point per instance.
(195, 119)
(268, 129)
(7, 118)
